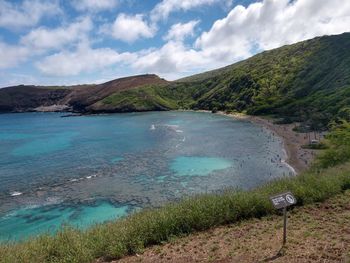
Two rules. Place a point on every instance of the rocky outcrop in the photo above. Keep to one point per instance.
(28, 98)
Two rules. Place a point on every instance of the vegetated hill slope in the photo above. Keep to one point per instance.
(310, 79)
(170, 96)
(84, 99)
(77, 98)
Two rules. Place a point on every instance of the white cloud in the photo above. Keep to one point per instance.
(179, 31)
(273, 23)
(26, 14)
(245, 31)
(44, 38)
(84, 59)
(174, 57)
(12, 79)
(11, 56)
(242, 33)
(129, 28)
(94, 5)
(164, 8)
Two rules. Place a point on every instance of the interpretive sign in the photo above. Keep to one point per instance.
(280, 201)
(283, 200)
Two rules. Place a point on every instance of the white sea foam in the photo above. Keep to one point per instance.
(153, 127)
(15, 193)
(179, 131)
(91, 176)
(284, 162)
(289, 166)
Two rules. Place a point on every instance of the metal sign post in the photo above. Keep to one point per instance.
(284, 226)
(280, 201)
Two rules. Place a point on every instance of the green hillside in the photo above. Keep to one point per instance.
(307, 81)
(146, 98)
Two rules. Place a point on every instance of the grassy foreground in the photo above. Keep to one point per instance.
(134, 233)
(317, 232)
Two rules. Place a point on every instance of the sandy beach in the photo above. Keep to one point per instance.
(297, 157)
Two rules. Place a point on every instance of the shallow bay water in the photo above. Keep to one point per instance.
(89, 169)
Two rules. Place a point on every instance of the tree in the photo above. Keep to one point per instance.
(339, 141)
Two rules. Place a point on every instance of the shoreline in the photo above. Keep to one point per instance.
(297, 158)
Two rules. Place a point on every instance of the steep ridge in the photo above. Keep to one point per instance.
(68, 98)
(27, 98)
(84, 98)
(308, 81)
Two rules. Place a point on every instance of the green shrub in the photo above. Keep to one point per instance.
(339, 141)
(317, 146)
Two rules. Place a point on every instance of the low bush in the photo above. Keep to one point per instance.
(339, 145)
(316, 146)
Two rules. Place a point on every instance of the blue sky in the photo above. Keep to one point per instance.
(91, 41)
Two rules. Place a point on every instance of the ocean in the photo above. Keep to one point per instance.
(85, 170)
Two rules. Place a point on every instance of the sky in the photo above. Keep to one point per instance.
(63, 42)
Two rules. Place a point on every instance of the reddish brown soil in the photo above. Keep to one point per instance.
(89, 95)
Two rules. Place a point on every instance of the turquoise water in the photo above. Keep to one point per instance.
(51, 143)
(89, 169)
(117, 159)
(201, 166)
(26, 222)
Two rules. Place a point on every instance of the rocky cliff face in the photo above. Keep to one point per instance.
(27, 98)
